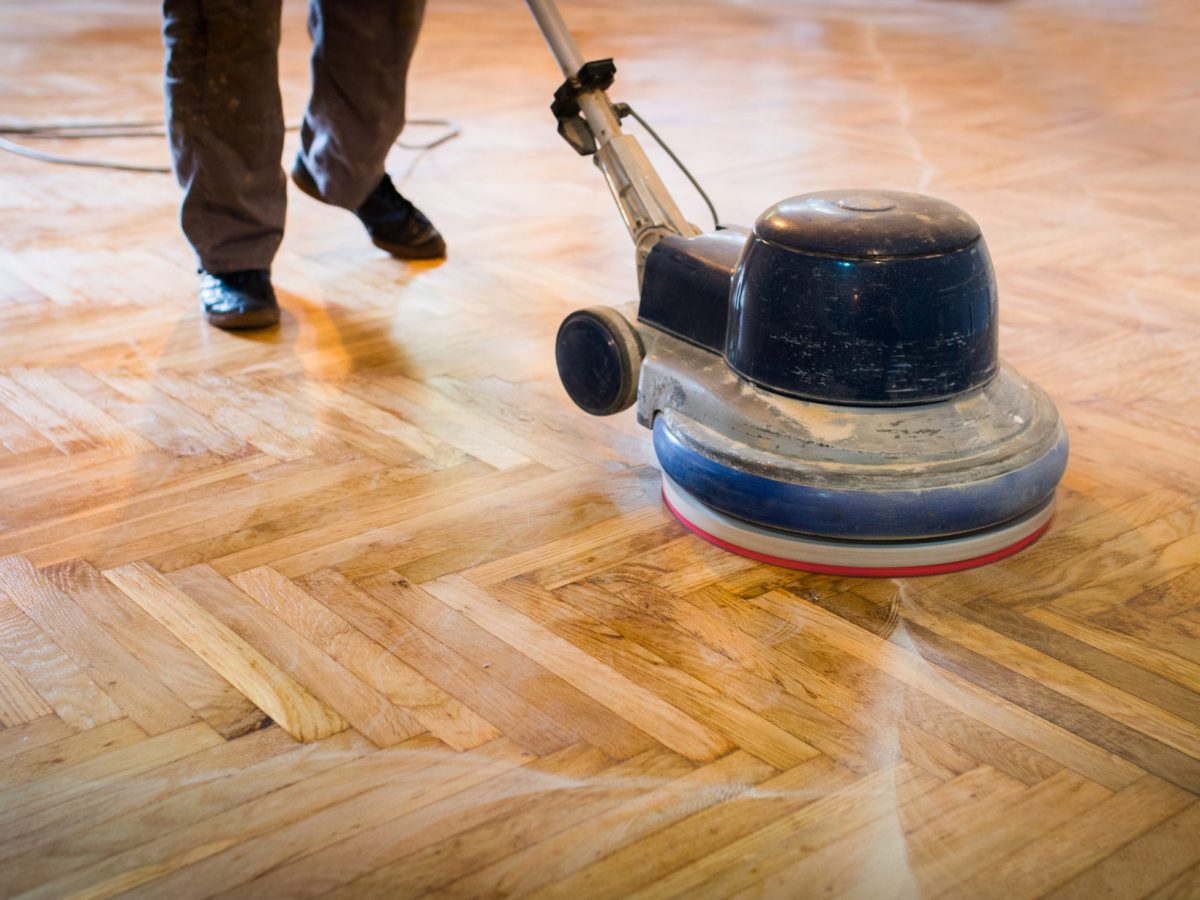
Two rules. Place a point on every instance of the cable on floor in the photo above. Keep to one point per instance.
(82, 131)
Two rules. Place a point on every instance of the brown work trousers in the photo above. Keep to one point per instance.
(225, 115)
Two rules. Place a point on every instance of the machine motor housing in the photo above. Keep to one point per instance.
(864, 298)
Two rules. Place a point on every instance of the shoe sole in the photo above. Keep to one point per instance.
(435, 250)
(249, 321)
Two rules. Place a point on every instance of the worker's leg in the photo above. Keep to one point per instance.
(226, 128)
(360, 58)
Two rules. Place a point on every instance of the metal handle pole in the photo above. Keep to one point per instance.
(647, 208)
(557, 35)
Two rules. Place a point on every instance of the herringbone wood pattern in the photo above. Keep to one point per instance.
(364, 607)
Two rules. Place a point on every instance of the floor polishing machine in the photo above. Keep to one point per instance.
(824, 389)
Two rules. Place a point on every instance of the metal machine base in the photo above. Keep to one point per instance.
(862, 558)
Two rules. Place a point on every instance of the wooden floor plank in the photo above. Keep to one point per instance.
(557, 698)
(436, 710)
(874, 857)
(1071, 847)
(464, 849)
(140, 810)
(66, 782)
(557, 856)
(362, 706)
(134, 688)
(38, 757)
(758, 853)
(393, 784)
(186, 675)
(695, 836)
(1034, 659)
(270, 689)
(1012, 720)
(19, 703)
(41, 664)
(1146, 863)
(30, 735)
(435, 812)
(636, 703)
(487, 696)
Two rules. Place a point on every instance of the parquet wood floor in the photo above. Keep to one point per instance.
(364, 607)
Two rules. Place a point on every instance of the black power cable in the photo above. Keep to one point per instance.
(79, 131)
(106, 130)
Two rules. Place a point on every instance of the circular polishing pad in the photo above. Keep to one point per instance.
(862, 558)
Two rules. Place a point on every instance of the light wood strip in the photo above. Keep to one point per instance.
(823, 821)
(436, 813)
(65, 688)
(359, 703)
(1143, 682)
(554, 696)
(120, 543)
(63, 434)
(557, 856)
(271, 690)
(435, 416)
(1103, 697)
(486, 695)
(1073, 846)
(853, 864)
(1186, 884)
(910, 668)
(1181, 671)
(467, 843)
(131, 387)
(744, 631)
(746, 710)
(484, 528)
(41, 758)
(301, 553)
(947, 849)
(30, 735)
(174, 480)
(1144, 864)
(75, 409)
(692, 837)
(182, 672)
(331, 805)
(371, 496)
(444, 716)
(141, 809)
(581, 554)
(391, 427)
(624, 697)
(19, 703)
(73, 780)
(134, 688)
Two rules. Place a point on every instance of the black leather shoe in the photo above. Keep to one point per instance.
(393, 223)
(237, 301)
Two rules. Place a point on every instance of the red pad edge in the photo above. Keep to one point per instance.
(887, 572)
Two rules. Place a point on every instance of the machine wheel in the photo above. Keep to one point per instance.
(599, 358)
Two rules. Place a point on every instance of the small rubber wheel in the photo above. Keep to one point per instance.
(599, 359)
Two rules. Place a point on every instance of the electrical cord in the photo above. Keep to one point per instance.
(623, 110)
(78, 131)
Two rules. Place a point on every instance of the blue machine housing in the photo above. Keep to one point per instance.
(835, 372)
(851, 513)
